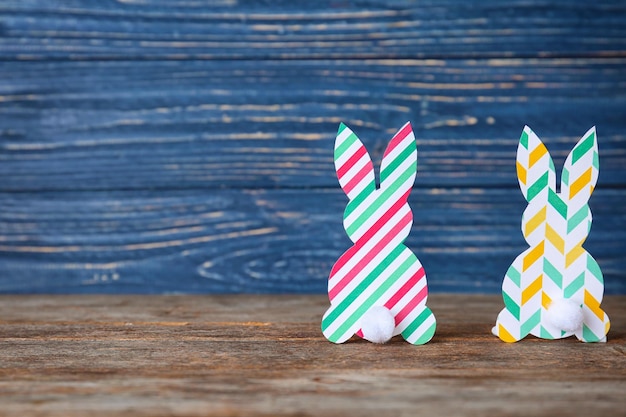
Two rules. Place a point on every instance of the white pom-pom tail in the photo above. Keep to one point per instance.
(378, 324)
(565, 314)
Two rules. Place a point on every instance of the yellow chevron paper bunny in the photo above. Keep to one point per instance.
(554, 289)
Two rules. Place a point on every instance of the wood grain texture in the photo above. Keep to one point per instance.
(263, 240)
(207, 124)
(153, 29)
(149, 146)
(265, 355)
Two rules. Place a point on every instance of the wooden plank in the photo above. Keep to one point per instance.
(262, 241)
(153, 29)
(265, 355)
(152, 125)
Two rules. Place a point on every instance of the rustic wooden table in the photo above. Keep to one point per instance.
(265, 355)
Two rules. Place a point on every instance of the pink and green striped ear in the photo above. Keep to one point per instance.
(535, 168)
(353, 164)
(580, 172)
(399, 165)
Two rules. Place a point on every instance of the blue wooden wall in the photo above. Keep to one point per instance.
(152, 146)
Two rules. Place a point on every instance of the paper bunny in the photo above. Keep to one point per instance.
(377, 288)
(554, 288)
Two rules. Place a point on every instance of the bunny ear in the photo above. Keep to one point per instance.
(399, 165)
(353, 164)
(580, 172)
(535, 169)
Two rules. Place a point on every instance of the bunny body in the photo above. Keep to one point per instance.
(555, 270)
(378, 270)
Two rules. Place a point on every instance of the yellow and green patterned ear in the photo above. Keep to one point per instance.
(580, 172)
(535, 169)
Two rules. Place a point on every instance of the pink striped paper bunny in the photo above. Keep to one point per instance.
(377, 288)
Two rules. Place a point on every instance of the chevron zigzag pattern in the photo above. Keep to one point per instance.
(555, 225)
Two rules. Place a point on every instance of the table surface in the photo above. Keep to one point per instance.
(265, 355)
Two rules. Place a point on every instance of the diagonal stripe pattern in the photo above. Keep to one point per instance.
(555, 225)
(378, 270)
